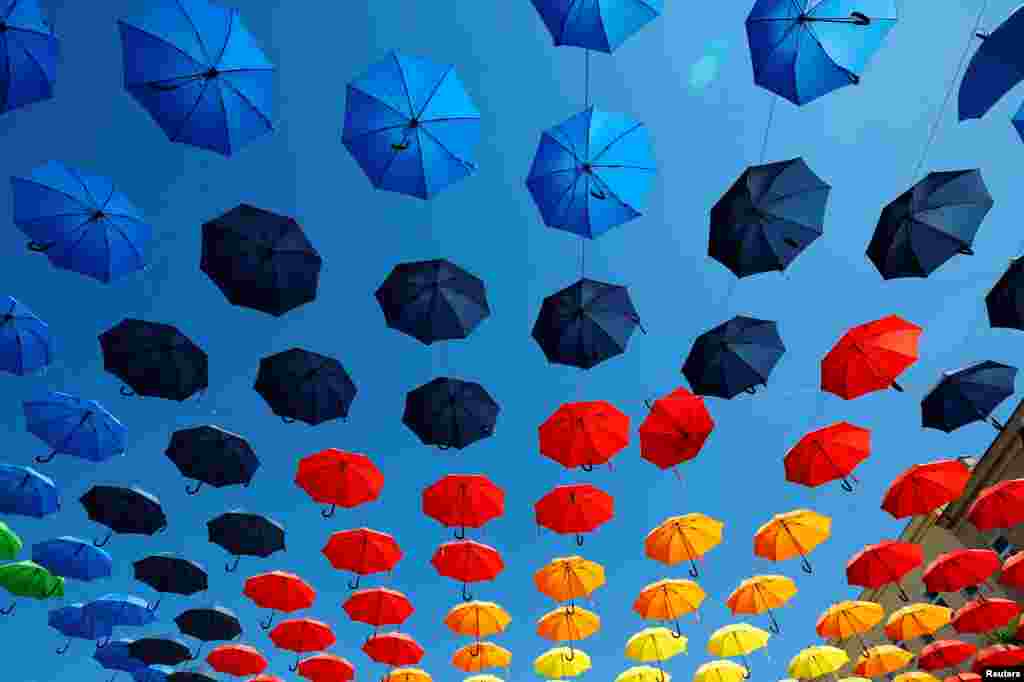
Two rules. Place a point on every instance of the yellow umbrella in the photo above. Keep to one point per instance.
(881, 660)
(644, 673)
(483, 678)
(738, 639)
(669, 599)
(761, 594)
(915, 676)
(815, 661)
(562, 661)
(655, 644)
(569, 578)
(847, 619)
(721, 671)
(479, 656)
(568, 623)
(477, 619)
(791, 534)
(917, 620)
(683, 538)
(408, 675)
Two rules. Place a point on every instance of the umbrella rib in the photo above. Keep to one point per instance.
(447, 151)
(57, 191)
(28, 52)
(242, 96)
(171, 45)
(232, 18)
(616, 139)
(195, 29)
(565, 19)
(433, 91)
(405, 85)
(195, 106)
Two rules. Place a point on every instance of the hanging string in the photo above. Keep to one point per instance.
(583, 258)
(768, 127)
(586, 79)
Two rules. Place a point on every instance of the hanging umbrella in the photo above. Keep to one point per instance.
(198, 72)
(337, 478)
(882, 659)
(643, 673)
(574, 509)
(848, 619)
(463, 501)
(362, 551)
(561, 662)
(586, 323)
(733, 357)
(154, 360)
(478, 656)
(477, 619)
(260, 260)
(869, 357)
(917, 620)
(963, 677)
(683, 538)
(944, 653)
(243, 534)
(998, 506)
(411, 126)
(209, 624)
(816, 661)
(160, 673)
(300, 385)
(378, 606)
(994, 69)
(10, 543)
(159, 651)
(114, 656)
(738, 639)
(325, 668)
(1012, 574)
(968, 395)
(984, 615)
(71, 557)
(30, 51)
(569, 578)
(209, 454)
(129, 511)
(568, 624)
(170, 574)
(74, 623)
(26, 492)
(960, 569)
(828, 454)
(237, 659)
(394, 649)
(82, 222)
(450, 413)
(433, 300)
(768, 217)
(790, 534)
(655, 645)
(26, 344)
(998, 656)
(120, 610)
(279, 591)
(762, 594)
(669, 600)
(468, 562)
(592, 172)
(675, 429)
(584, 434)
(407, 675)
(923, 488)
(884, 563)
(199, 674)
(915, 676)
(73, 426)
(601, 26)
(721, 671)
(1004, 303)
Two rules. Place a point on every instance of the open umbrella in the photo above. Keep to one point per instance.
(10, 543)
(944, 653)
(468, 562)
(739, 639)
(792, 534)
(960, 569)
(584, 434)
(994, 69)
(828, 454)
(362, 551)
(128, 511)
(477, 619)
(721, 671)
(279, 591)
(170, 574)
(478, 656)
(669, 600)
(643, 673)
(816, 661)
(26, 344)
(336, 477)
(70, 557)
(762, 594)
(998, 656)
(561, 662)
(26, 492)
(998, 506)
(393, 649)
(601, 26)
(884, 563)
(300, 385)
(70, 425)
(882, 659)
(30, 50)
(1012, 574)
(869, 357)
(154, 360)
(237, 659)
(113, 655)
(848, 619)
(923, 488)
(569, 578)
(984, 615)
(212, 456)
(378, 606)
(463, 501)
(243, 534)
(74, 623)
(160, 651)
(574, 509)
(675, 429)
(968, 395)
(734, 357)
(406, 675)
(568, 624)
(208, 624)
(683, 538)
(916, 620)
(325, 668)
(655, 645)
(120, 610)
(450, 413)
(1004, 302)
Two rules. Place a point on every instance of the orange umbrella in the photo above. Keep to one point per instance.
(683, 538)
(479, 656)
(881, 660)
(792, 534)
(869, 357)
(668, 600)
(761, 594)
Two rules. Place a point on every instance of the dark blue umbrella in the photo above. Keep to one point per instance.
(199, 73)
(211, 455)
(1005, 301)
(30, 51)
(130, 511)
(26, 492)
(73, 426)
(768, 217)
(929, 224)
(25, 342)
(300, 385)
(71, 557)
(586, 323)
(968, 395)
(450, 413)
(243, 534)
(592, 172)
(209, 624)
(433, 300)
(74, 623)
(996, 67)
(198, 674)
(733, 357)
(154, 360)
(114, 655)
(1018, 122)
(153, 673)
(120, 610)
(170, 574)
(601, 25)
(160, 650)
(411, 126)
(802, 50)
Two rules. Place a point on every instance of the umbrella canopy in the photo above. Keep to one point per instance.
(407, 675)
(463, 501)
(199, 674)
(468, 562)
(10, 543)
(569, 578)
(923, 488)
(601, 26)
(721, 671)
(120, 610)
(336, 477)
(170, 574)
(73, 558)
(849, 619)
(244, 534)
(998, 506)
(734, 357)
(869, 357)
(828, 454)
(561, 662)
(592, 172)
(1012, 574)
(668, 600)
(568, 624)
(450, 413)
(128, 511)
(160, 674)
(675, 429)
(994, 70)
(968, 395)
(944, 653)
(815, 661)
(1004, 303)
(883, 659)
(917, 620)
(70, 425)
(154, 360)
(209, 454)
(74, 623)
(326, 668)
(362, 551)
(762, 594)
(960, 569)
(26, 492)
(279, 591)
(655, 644)
(378, 606)
(300, 385)
(31, 51)
(584, 434)
(984, 615)
(739, 639)
(159, 650)
(884, 563)
(30, 580)
(26, 344)
(237, 659)
(114, 656)
(209, 624)
(478, 656)
(574, 509)
(643, 673)
(791, 534)
(394, 649)
(477, 619)
(683, 538)
(998, 656)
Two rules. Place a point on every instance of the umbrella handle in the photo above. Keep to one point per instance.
(571, 656)
(102, 643)
(43, 459)
(64, 648)
(193, 491)
(846, 485)
(805, 566)
(896, 387)
(466, 594)
(773, 625)
(981, 36)
(966, 251)
(443, 446)
(694, 573)
(860, 19)
(648, 404)
(104, 541)
(199, 648)
(598, 194)
(294, 666)
(265, 624)
(126, 392)
(9, 610)
(354, 584)
(155, 605)
(287, 420)
(750, 390)
(999, 426)
(231, 568)
(112, 677)
(904, 597)
(399, 146)
(579, 540)
(677, 632)
(475, 651)
(587, 467)
(329, 512)
(460, 533)
(40, 247)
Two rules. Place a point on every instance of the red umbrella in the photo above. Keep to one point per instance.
(326, 668)
(828, 454)
(675, 429)
(236, 659)
(279, 591)
(998, 506)
(963, 677)
(584, 434)
(984, 615)
(884, 563)
(468, 562)
(869, 357)
(302, 635)
(338, 478)
(923, 488)
(463, 501)
(378, 606)
(575, 509)
(1013, 571)
(998, 656)
(362, 551)
(394, 649)
(959, 569)
(944, 653)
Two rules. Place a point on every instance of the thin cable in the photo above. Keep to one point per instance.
(583, 258)
(586, 79)
(768, 127)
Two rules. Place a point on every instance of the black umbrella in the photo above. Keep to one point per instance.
(433, 300)
(585, 324)
(211, 455)
(243, 534)
(129, 511)
(300, 385)
(260, 260)
(968, 395)
(929, 224)
(734, 357)
(154, 360)
(1005, 302)
(450, 413)
(209, 624)
(170, 574)
(160, 650)
(203, 674)
(768, 217)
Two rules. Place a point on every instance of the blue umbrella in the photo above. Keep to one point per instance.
(73, 426)
(199, 73)
(592, 172)
(81, 222)
(71, 557)
(115, 655)
(25, 491)
(1005, 301)
(968, 395)
(153, 673)
(734, 357)
(996, 67)
(25, 341)
(802, 53)
(72, 622)
(601, 25)
(120, 610)
(411, 126)
(29, 51)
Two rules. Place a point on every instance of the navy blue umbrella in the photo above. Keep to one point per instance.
(200, 674)
(768, 217)
(996, 67)
(26, 492)
(29, 50)
(70, 425)
(113, 655)
(73, 622)
(81, 222)
(209, 624)
(199, 73)
(243, 534)
(153, 673)
(71, 557)
(585, 324)
(170, 574)
(1005, 301)
(929, 224)
(160, 650)
(411, 126)
(154, 360)
(260, 260)
(120, 610)
(128, 511)
(300, 385)
(601, 25)
(968, 395)
(25, 341)
(802, 50)
(211, 455)
(733, 357)
(450, 413)
(433, 300)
